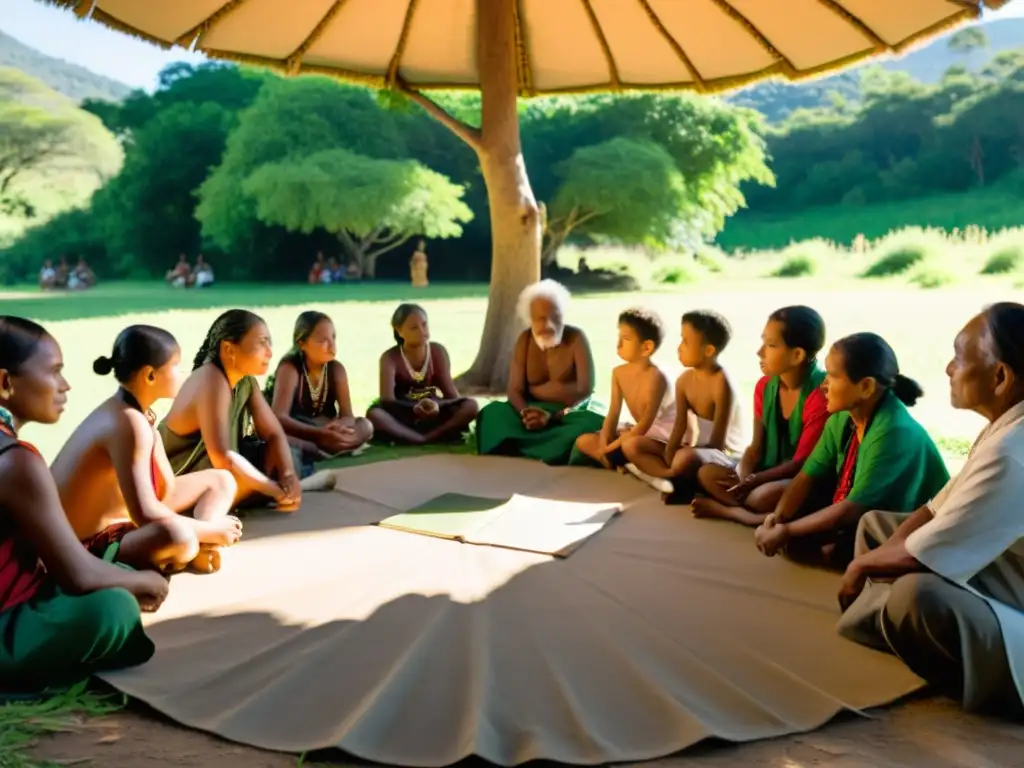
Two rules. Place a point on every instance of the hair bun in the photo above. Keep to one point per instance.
(102, 365)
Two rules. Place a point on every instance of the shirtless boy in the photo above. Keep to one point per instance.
(114, 479)
(641, 384)
(705, 391)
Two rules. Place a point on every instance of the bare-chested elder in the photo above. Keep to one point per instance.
(550, 385)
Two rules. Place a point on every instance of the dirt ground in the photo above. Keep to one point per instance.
(922, 732)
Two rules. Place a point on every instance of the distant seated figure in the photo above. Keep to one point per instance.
(63, 272)
(47, 276)
(550, 384)
(202, 276)
(354, 271)
(310, 393)
(418, 266)
(180, 276)
(81, 276)
(114, 479)
(332, 273)
(316, 272)
(418, 401)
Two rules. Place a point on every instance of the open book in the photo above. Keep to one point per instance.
(546, 526)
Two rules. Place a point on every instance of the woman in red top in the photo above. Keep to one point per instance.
(790, 412)
(64, 613)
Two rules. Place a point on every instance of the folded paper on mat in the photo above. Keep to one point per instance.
(547, 526)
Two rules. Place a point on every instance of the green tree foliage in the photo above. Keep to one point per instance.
(968, 40)
(372, 205)
(903, 140)
(624, 189)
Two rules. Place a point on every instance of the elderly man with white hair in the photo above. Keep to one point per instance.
(550, 384)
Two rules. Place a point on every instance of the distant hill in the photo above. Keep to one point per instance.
(66, 179)
(73, 81)
(777, 99)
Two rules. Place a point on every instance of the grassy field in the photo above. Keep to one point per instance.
(919, 324)
(990, 209)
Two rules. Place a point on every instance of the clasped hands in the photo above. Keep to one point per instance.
(771, 536)
(534, 418)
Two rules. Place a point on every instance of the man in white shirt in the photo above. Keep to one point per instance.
(943, 587)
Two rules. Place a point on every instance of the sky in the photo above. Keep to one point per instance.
(60, 34)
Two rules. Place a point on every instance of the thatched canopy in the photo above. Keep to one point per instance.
(563, 45)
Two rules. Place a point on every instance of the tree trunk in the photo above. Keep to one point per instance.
(515, 217)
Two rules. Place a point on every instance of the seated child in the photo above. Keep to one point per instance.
(706, 391)
(65, 614)
(114, 479)
(642, 385)
(418, 401)
(310, 392)
(872, 454)
(789, 415)
(220, 419)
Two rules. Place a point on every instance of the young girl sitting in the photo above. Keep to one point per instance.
(871, 455)
(64, 613)
(789, 415)
(418, 400)
(220, 404)
(114, 479)
(310, 393)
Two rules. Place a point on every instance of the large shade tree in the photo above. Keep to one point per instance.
(513, 48)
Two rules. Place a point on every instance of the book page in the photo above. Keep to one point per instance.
(450, 516)
(547, 526)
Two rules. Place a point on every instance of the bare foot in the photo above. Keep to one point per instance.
(706, 507)
(227, 531)
(207, 561)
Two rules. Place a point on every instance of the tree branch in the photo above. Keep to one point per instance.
(400, 241)
(472, 136)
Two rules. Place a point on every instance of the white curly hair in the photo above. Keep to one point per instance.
(549, 290)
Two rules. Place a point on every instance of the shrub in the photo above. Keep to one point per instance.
(933, 277)
(1008, 259)
(674, 274)
(710, 258)
(897, 261)
(796, 266)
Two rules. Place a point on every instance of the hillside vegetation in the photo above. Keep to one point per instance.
(53, 155)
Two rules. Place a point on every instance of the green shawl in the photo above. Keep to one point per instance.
(780, 444)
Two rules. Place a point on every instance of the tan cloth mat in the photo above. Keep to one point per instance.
(322, 630)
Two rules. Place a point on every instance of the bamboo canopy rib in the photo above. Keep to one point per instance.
(563, 46)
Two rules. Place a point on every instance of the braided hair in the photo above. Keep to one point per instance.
(231, 326)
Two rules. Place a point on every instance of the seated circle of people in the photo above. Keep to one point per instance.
(790, 412)
(550, 385)
(872, 454)
(65, 613)
(942, 586)
(638, 383)
(310, 394)
(418, 402)
(220, 419)
(115, 482)
(708, 427)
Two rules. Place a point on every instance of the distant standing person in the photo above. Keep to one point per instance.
(316, 272)
(47, 276)
(418, 266)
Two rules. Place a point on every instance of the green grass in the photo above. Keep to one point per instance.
(990, 209)
(125, 298)
(23, 723)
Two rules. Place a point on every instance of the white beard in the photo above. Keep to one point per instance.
(549, 342)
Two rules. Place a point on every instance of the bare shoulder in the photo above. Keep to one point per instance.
(388, 356)
(723, 382)
(439, 349)
(22, 471)
(684, 381)
(338, 367)
(575, 335)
